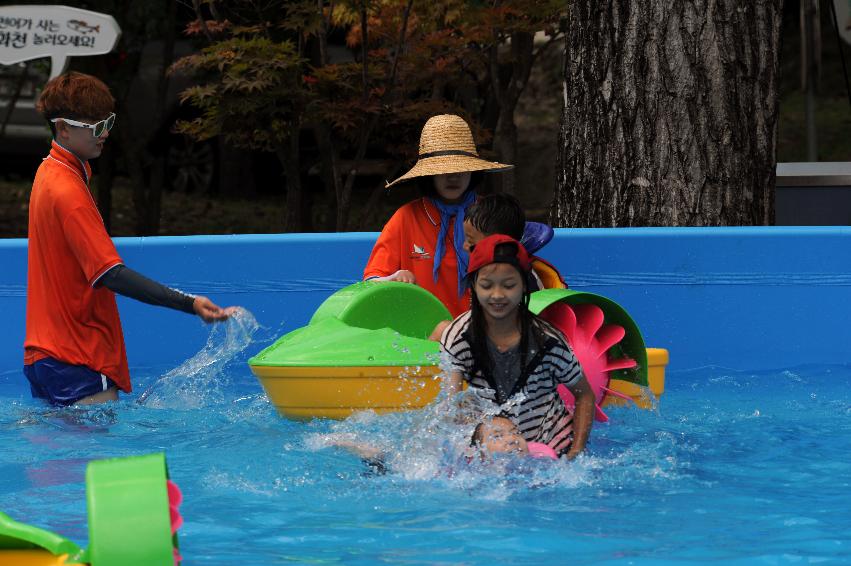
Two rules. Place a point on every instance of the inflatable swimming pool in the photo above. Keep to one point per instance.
(756, 405)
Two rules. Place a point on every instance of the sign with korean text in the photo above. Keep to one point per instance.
(58, 32)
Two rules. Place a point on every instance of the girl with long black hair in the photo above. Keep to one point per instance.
(511, 357)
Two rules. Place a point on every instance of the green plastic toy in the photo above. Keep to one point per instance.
(128, 501)
(365, 324)
(631, 346)
(129, 520)
(408, 309)
(331, 342)
(386, 324)
(20, 536)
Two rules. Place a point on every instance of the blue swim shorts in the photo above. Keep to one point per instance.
(64, 384)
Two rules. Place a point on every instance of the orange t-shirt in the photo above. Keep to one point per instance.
(407, 242)
(69, 250)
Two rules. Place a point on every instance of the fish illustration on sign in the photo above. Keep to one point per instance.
(62, 32)
(82, 27)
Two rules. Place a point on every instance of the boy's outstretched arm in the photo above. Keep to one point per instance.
(124, 281)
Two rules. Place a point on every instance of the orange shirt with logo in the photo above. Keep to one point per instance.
(69, 250)
(407, 242)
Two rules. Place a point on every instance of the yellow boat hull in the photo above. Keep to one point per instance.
(34, 557)
(303, 393)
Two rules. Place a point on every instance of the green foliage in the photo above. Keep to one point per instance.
(262, 75)
(363, 75)
(253, 94)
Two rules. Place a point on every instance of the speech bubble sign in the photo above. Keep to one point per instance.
(58, 32)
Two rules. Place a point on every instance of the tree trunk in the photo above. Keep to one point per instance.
(290, 158)
(329, 166)
(670, 114)
(155, 194)
(147, 194)
(345, 196)
(236, 171)
(505, 146)
(508, 90)
(13, 100)
(104, 180)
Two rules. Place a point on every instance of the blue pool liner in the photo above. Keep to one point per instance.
(743, 298)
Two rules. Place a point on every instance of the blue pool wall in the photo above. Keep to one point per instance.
(741, 298)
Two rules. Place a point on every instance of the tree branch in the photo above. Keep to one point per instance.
(13, 101)
(364, 39)
(197, 5)
(342, 207)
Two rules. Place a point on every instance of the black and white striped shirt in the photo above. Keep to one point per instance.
(535, 406)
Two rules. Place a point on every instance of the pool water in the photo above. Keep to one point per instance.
(741, 467)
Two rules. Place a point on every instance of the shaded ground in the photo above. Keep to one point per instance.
(537, 120)
(833, 108)
(182, 214)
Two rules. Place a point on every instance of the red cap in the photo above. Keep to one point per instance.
(485, 253)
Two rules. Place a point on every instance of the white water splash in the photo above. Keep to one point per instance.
(433, 444)
(200, 380)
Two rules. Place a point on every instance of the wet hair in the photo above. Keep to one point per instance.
(478, 436)
(498, 214)
(76, 96)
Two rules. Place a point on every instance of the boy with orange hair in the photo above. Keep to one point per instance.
(74, 347)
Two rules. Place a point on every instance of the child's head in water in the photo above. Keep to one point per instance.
(498, 435)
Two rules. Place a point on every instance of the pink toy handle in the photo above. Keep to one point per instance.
(540, 450)
(570, 402)
(175, 498)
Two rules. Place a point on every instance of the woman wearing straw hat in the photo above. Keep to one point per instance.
(423, 242)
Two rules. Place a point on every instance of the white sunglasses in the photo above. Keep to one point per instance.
(97, 128)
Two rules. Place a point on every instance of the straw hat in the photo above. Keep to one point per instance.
(446, 146)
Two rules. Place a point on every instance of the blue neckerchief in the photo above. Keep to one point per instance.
(447, 211)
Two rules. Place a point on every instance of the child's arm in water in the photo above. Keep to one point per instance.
(583, 416)
(453, 382)
(365, 451)
(371, 455)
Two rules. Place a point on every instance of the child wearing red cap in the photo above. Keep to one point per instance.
(512, 357)
(502, 213)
